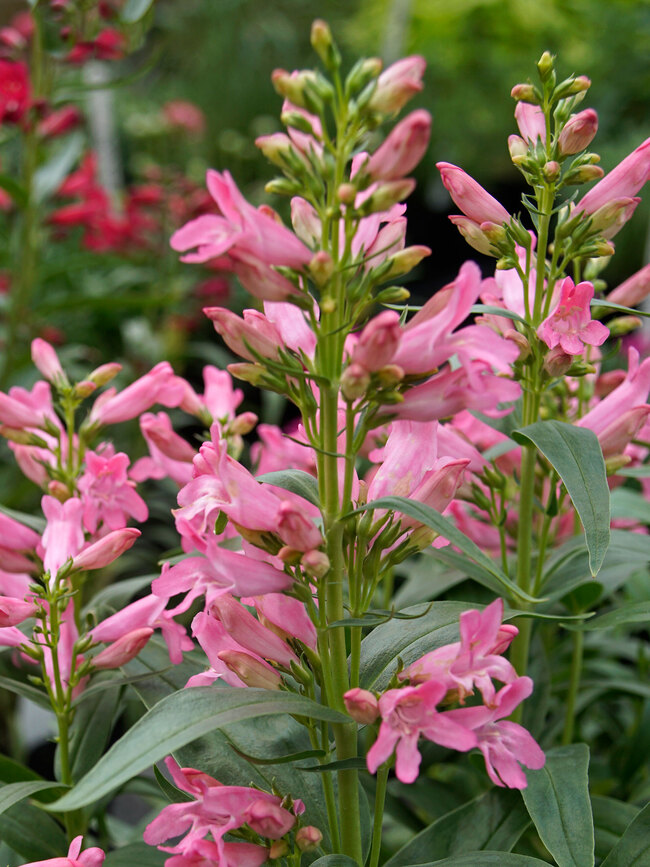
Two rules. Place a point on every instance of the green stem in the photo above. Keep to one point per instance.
(574, 686)
(380, 797)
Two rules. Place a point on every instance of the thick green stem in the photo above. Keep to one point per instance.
(574, 686)
(380, 797)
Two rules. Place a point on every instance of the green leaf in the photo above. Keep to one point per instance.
(117, 596)
(136, 853)
(32, 833)
(296, 481)
(600, 302)
(13, 772)
(15, 190)
(630, 504)
(334, 861)
(497, 311)
(557, 799)
(12, 793)
(26, 690)
(633, 613)
(483, 859)
(169, 790)
(471, 569)
(633, 849)
(91, 729)
(34, 521)
(177, 720)
(495, 820)
(135, 10)
(280, 760)
(407, 640)
(356, 763)
(431, 518)
(576, 455)
(611, 818)
(635, 472)
(48, 178)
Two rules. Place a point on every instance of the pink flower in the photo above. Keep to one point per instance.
(623, 181)
(184, 115)
(378, 341)
(403, 148)
(92, 857)
(578, 132)
(123, 650)
(108, 496)
(398, 84)
(408, 713)
(160, 385)
(361, 705)
(504, 744)
(570, 324)
(248, 632)
(170, 454)
(63, 536)
(252, 334)
(285, 615)
(470, 197)
(531, 122)
(15, 91)
(46, 360)
(296, 530)
(105, 550)
(13, 611)
(633, 290)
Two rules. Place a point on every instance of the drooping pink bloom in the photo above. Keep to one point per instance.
(362, 705)
(633, 290)
(219, 397)
(296, 530)
(398, 84)
(284, 615)
(59, 121)
(623, 181)
(408, 713)
(253, 333)
(123, 650)
(403, 148)
(205, 853)
(378, 341)
(92, 857)
(108, 497)
(248, 632)
(229, 661)
(570, 324)
(160, 385)
(47, 361)
(504, 744)
(63, 536)
(169, 454)
(14, 610)
(15, 413)
(531, 122)
(17, 536)
(470, 197)
(292, 325)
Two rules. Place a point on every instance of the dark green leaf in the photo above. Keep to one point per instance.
(431, 518)
(281, 760)
(358, 764)
(136, 853)
(632, 613)
(495, 820)
(13, 772)
(485, 859)
(169, 790)
(633, 849)
(296, 481)
(635, 472)
(334, 861)
(600, 302)
(557, 799)
(12, 793)
(26, 690)
(134, 10)
(32, 833)
(630, 504)
(611, 818)
(407, 640)
(15, 190)
(177, 720)
(576, 455)
(113, 682)
(497, 311)
(91, 728)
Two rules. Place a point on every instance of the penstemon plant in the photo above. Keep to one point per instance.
(304, 580)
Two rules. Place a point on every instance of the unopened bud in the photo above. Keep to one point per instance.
(571, 86)
(59, 490)
(250, 670)
(405, 260)
(22, 437)
(545, 65)
(362, 705)
(362, 73)
(253, 373)
(323, 44)
(346, 194)
(283, 187)
(321, 267)
(519, 339)
(601, 247)
(308, 838)
(583, 175)
(393, 295)
(315, 563)
(362, 496)
(578, 132)
(123, 650)
(494, 232)
(551, 170)
(290, 556)
(557, 362)
(298, 121)
(518, 149)
(354, 382)
(277, 148)
(243, 424)
(623, 325)
(471, 231)
(279, 849)
(422, 537)
(105, 373)
(84, 388)
(388, 194)
(615, 463)
(291, 87)
(526, 93)
(389, 375)
(581, 368)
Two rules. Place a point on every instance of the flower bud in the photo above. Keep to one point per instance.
(557, 362)
(46, 360)
(253, 373)
(321, 267)
(518, 149)
(250, 670)
(471, 231)
(623, 325)
(633, 290)
(389, 375)
(362, 73)
(405, 260)
(551, 170)
(583, 175)
(526, 93)
(292, 86)
(346, 193)
(615, 463)
(517, 338)
(388, 194)
(362, 705)
(105, 373)
(279, 849)
(601, 247)
(84, 388)
(315, 563)
(123, 650)
(398, 84)
(243, 424)
(323, 44)
(354, 382)
(22, 437)
(571, 86)
(545, 65)
(59, 490)
(105, 550)
(277, 148)
(421, 538)
(578, 132)
(290, 556)
(268, 819)
(308, 838)
(612, 216)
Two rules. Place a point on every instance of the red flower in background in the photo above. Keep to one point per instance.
(15, 91)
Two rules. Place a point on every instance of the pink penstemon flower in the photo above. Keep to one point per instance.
(570, 325)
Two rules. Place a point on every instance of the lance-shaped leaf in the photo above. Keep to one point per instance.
(576, 455)
(14, 792)
(488, 859)
(431, 518)
(296, 481)
(557, 799)
(633, 849)
(177, 720)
